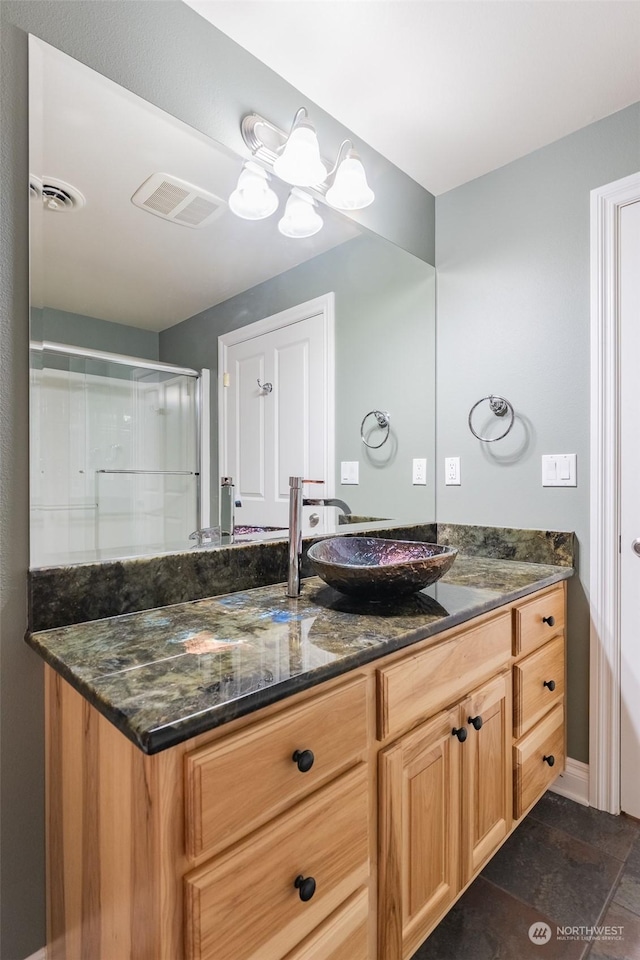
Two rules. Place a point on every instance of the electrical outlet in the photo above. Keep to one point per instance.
(420, 471)
(452, 471)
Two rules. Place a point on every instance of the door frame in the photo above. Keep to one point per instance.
(604, 538)
(324, 305)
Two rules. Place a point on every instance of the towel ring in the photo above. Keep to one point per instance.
(382, 418)
(498, 405)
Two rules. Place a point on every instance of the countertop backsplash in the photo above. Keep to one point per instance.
(59, 596)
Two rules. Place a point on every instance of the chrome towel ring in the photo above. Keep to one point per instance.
(498, 405)
(382, 418)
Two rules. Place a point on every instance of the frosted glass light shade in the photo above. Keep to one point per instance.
(253, 198)
(300, 218)
(300, 163)
(350, 190)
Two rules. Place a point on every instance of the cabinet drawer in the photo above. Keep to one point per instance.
(240, 782)
(343, 936)
(532, 626)
(243, 905)
(420, 685)
(532, 774)
(532, 678)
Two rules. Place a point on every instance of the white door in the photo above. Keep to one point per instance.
(276, 412)
(629, 289)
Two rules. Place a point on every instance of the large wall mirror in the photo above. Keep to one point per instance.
(174, 343)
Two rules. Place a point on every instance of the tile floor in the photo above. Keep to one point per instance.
(565, 865)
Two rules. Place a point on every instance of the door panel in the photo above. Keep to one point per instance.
(487, 781)
(269, 435)
(629, 253)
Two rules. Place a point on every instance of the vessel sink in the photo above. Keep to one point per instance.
(374, 568)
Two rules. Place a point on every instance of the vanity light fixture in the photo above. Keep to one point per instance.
(286, 154)
(349, 190)
(299, 162)
(253, 198)
(300, 217)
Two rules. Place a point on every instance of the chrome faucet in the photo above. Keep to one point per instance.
(228, 504)
(296, 503)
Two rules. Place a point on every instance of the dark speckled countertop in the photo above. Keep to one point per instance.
(165, 675)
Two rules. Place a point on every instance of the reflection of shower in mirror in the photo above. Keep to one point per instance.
(111, 477)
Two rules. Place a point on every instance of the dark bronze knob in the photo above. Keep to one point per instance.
(550, 620)
(460, 733)
(550, 759)
(306, 887)
(304, 759)
(476, 722)
(551, 684)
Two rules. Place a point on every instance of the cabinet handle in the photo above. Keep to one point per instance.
(550, 759)
(304, 759)
(306, 887)
(460, 733)
(551, 684)
(550, 620)
(476, 722)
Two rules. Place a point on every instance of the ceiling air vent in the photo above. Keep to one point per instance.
(173, 199)
(56, 195)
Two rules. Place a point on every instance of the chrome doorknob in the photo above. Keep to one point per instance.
(635, 546)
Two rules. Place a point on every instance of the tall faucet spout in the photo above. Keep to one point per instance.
(295, 533)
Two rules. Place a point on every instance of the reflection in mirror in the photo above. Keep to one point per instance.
(159, 319)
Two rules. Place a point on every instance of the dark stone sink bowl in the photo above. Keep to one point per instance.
(374, 568)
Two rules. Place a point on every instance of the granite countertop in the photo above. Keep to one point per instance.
(165, 675)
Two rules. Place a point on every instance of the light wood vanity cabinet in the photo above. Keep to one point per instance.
(445, 807)
(421, 760)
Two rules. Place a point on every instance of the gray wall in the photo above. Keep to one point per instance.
(59, 326)
(385, 359)
(162, 51)
(513, 319)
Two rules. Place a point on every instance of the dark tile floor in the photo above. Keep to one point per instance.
(565, 866)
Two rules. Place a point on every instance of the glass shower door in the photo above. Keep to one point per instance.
(117, 452)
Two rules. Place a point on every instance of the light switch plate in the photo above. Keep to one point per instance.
(559, 470)
(452, 471)
(419, 471)
(350, 471)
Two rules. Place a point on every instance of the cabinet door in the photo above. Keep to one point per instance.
(419, 819)
(486, 772)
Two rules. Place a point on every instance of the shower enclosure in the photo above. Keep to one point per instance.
(115, 455)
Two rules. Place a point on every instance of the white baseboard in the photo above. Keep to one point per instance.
(41, 954)
(574, 782)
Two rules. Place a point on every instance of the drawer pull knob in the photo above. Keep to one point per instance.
(304, 759)
(460, 733)
(476, 722)
(550, 620)
(550, 759)
(306, 887)
(551, 684)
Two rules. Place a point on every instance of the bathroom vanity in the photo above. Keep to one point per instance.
(250, 776)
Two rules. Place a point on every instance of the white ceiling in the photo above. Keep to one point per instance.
(447, 90)
(112, 260)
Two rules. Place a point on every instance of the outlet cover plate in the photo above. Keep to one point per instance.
(452, 471)
(559, 470)
(419, 471)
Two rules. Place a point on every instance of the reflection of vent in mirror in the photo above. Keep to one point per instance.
(56, 194)
(174, 199)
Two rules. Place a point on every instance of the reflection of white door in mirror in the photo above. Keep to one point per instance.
(266, 435)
